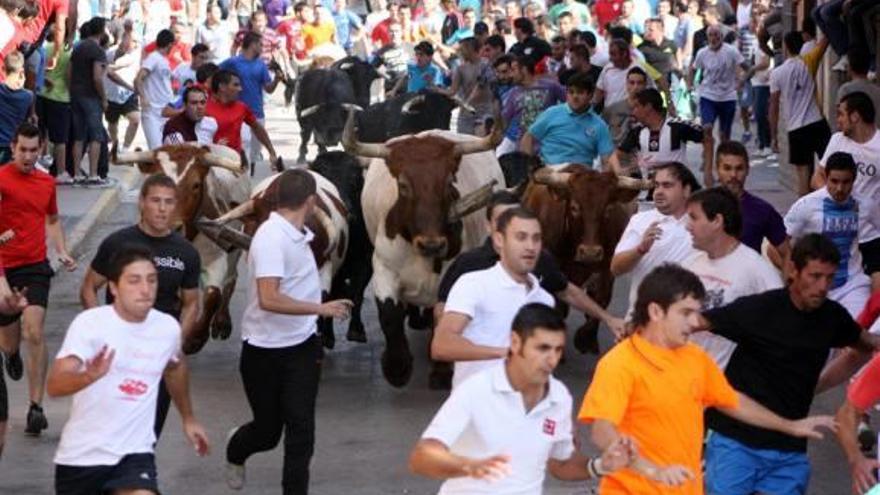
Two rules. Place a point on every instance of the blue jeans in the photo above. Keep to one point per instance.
(829, 18)
(733, 468)
(761, 101)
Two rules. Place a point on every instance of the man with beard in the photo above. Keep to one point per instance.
(192, 125)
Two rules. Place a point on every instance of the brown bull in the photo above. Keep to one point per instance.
(583, 214)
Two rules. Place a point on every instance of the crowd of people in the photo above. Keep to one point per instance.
(735, 310)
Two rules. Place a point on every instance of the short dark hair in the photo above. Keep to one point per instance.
(526, 62)
(470, 42)
(860, 103)
(130, 253)
(93, 26)
(793, 42)
(466, 10)
(497, 41)
(524, 24)
(589, 38)
(192, 89)
(841, 161)
(719, 201)
(681, 173)
(299, 6)
(222, 77)
(581, 51)
(621, 32)
(164, 39)
(558, 39)
(814, 247)
(502, 26)
(533, 316)
(665, 285)
(502, 59)
(809, 26)
(859, 60)
(637, 71)
(424, 47)
(581, 81)
(27, 130)
(652, 98)
(157, 180)
(564, 13)
(732, 148)
(295, 186)
(481, 28)
(205, 72)
(619, 43)
(499, 198)
(250, 38)
(198, 49)
(517, 212)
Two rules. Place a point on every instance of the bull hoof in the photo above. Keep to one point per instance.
(440, 379)
(586, 338)
(398, 369)
(419, 319)
(221, 329)
(356, 332)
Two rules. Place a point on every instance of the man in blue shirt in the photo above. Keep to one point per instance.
(348, 25)
(571, 132)
(421, 75)
(255, 77)
(18, 103)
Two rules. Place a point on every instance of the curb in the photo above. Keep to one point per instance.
(106, 202)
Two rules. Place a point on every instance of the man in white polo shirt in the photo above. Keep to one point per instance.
(660, 235)
(281, 355)
(474, 329)
(505, 426)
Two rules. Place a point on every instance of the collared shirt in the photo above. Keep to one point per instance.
(490, 298)
(279, 250)
(569, 137)
(485, 417)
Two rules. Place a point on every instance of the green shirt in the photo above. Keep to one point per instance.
(55, 87)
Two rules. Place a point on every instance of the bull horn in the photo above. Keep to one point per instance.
(352, 106)
(472, 201)
(553, 178)
(134, 158)
(463, 104)
(310, 110)
(346, 66)
(351, 144)
(624, 182)
(237, 213)
(487, 143)
(407, 107)
(215, 160)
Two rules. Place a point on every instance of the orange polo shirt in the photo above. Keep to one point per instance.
(656, 396)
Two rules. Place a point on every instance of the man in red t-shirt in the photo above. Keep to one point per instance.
(230, 114)
(180, 52)
(34, 27)
(27, 199)
(606, 11)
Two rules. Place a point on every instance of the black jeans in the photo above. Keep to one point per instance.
(281, 387)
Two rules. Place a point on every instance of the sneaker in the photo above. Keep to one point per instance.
(63, 179)
(36, 420)
(747, 136)
(98, 183)
(842, 65)
(14, 366)
(44, 163)
(234, 473)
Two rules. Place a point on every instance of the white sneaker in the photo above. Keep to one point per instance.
(842, 65)
(234, 473)
(63, 179)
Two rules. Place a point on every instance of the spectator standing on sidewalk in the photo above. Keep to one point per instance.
(111, 362)
(53, 111)
(153, 85)
(281, 354)
(122, 99)
(88, 64)
(18, 102)
(27, 200)
(859, 65)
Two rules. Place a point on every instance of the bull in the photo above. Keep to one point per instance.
(408, 113)
(583, 214)
(420, 195)
(361, 74)
(321, 100)
(210, 181)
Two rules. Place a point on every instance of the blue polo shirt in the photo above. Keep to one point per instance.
(567, 137)
(417, 76)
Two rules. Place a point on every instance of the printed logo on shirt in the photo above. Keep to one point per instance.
(549, 427)
(169, 262)
(867, 169)
(133, 388)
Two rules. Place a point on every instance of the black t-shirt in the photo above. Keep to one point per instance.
(546, 270)
(660, 57)
(177, 262)
(565, 74)
(780, 352)
(82, 61)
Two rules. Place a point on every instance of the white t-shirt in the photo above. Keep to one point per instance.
(157, 83)
(817, 212)
(743, 14)
(613, 82)
(114, 416)
(485, 417)
(279, 250)
(126, 67)
(867, 186)
(218, 38)
(742, 272)
(673, 246)
(719, 72)
(793, 79)
(762, 77)
(491, 298)
(184, 73)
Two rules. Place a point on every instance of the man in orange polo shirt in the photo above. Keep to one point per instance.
(655, 385)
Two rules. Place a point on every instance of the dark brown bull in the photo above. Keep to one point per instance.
(583, 214)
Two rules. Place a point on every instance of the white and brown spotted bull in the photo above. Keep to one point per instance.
(210, 182)
(420, 196)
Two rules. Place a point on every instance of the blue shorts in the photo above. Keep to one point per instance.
(88, 120)
(724, 111)
(733, 468)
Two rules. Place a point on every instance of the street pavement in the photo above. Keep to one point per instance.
(365, 428)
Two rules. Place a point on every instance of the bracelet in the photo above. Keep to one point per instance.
(594, 467)
(600, 469)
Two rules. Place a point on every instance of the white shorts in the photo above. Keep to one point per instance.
(853, 295)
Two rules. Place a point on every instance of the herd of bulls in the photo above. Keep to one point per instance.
(400, 204)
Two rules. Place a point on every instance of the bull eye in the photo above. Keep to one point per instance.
(575, 208)
(196, 186)
(404, 189)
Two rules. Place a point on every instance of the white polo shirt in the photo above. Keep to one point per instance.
(491, 298)
(673, 246)
(485, 417)
(280, 250)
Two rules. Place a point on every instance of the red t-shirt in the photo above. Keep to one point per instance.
(33, 28)
(26, 200)
(606, 11)
(229, 120)
(179, 53)
(864, 391)
(872, 310)
(380, 35)
(291, 30)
